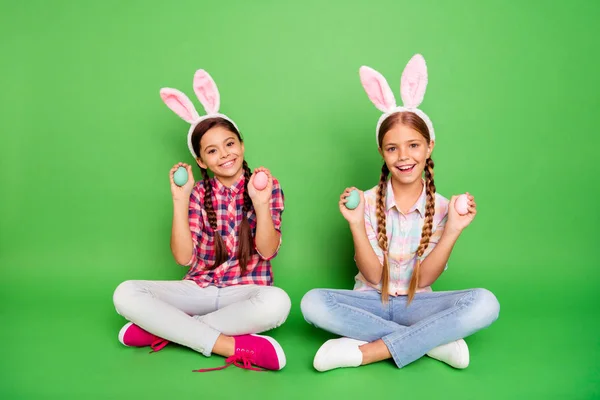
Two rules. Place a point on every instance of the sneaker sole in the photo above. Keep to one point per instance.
(278, 350)
(323, 349)
(464, 350)
(122, 333)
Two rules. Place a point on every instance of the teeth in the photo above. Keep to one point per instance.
(406, 168)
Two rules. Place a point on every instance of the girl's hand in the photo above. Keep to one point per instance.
(260, 197)
(456, 222)
(356, 216)
(182, 193)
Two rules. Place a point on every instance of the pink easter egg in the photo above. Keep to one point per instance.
(462, 204)
(260, 180)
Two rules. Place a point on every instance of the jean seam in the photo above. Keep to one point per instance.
(411, 333)
(354, 310)
(454, 309)
(471, 294)
(354, 294)
(392, 352)
(217, 299)
(449, 312)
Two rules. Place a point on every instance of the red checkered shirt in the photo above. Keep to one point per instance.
(228, 204)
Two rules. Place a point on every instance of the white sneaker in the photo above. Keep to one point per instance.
(338, 353)
(455, 354)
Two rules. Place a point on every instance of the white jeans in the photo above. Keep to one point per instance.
(186, 314)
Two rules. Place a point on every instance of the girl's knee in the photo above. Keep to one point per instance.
(485, 308)
(313, 306)
(283, 303)
(275, 304)
(122, 296)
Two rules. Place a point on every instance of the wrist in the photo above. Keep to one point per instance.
(451, 233)
(261, 208)
(181, 203)
(357, 226)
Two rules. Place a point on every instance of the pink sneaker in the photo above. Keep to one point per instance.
(132, 335)
(262, 351)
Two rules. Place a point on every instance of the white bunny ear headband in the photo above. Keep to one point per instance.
(412, 90)
(208, 94)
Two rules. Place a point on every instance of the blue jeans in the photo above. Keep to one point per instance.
(432, 319)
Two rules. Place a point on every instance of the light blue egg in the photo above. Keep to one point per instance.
(353, 200)
(180, 176)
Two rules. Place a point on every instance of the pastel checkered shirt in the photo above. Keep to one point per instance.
(228, 204)
(404, 236)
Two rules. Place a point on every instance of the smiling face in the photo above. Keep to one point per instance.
(220, 149)
(222, 152)
(405, 147)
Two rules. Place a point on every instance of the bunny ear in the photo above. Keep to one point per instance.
(180, 104)
(414, 82)
(207, 92)
(377, 89)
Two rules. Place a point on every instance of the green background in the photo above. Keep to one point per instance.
(85, 203)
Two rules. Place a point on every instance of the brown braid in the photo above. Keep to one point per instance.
(246, 241)
(415, 122)
(246, 247)
(427, 227)
(220, 250)
(382, 233)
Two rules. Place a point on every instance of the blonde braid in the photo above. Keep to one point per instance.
(382, 233)
(427, 228)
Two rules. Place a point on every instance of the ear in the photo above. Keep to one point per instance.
(207, 92)
(414, 82)
(180, 104)
(377, 89)
(430, 148)
(200, 163)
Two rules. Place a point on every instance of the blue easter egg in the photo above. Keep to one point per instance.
(353, 200)
(180, 176)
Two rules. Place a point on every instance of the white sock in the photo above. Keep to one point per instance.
(338, 353)
(455, 354)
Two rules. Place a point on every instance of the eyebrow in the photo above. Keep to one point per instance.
(224, 141)
(408, 141)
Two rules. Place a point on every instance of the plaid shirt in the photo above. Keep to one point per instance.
(404, 236)
(228, 204)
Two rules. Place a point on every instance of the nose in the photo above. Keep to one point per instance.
(402, 154)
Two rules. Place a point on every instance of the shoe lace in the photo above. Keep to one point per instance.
(242, 359)
(158, 345)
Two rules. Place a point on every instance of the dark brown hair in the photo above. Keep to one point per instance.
(412, 121)
(246, 240)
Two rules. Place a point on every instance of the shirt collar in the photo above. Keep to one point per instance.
(419, 205)
(234, 189)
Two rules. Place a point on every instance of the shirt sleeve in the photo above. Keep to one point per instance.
(277, 200)
(277, 206)
(371, 228)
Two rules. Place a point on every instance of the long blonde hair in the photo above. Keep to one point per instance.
(413, 121)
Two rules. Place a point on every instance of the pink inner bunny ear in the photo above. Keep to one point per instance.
(414, 82)
(207, 92)
(180, 104)
(377, 89)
